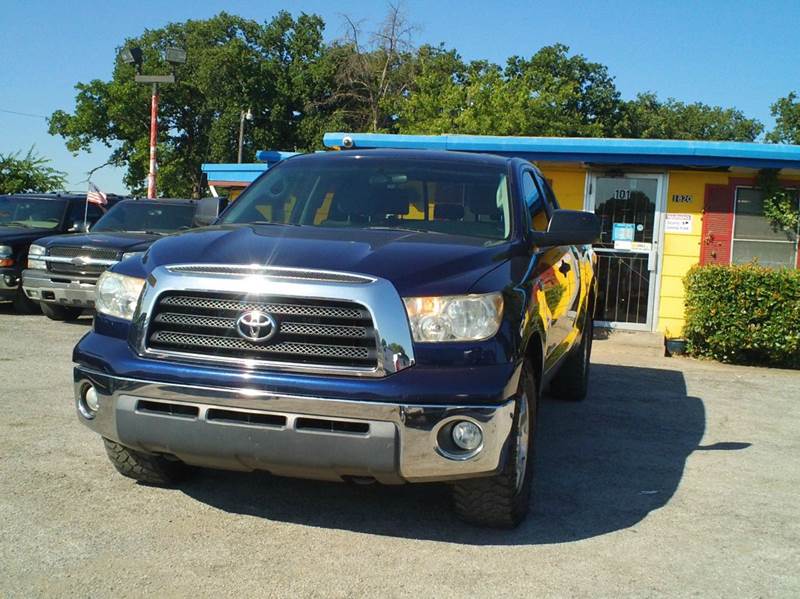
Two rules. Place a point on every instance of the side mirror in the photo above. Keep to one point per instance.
(79, 227)
(207, 211)
(569, 227)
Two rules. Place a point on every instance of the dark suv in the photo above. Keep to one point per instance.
(24, 218)
(63, 269)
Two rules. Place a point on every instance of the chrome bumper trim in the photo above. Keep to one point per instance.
(79, 291)
(401, 445)
(377, 295)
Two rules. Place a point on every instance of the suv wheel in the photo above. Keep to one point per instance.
(56, 312)
(503, 500)
(24, 305)
(572, 381)
(144, 467)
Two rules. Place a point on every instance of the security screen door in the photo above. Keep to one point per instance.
(628, 251)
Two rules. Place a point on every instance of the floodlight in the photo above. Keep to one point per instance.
(132, 56)
(175, 55)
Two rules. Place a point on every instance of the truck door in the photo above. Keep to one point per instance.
(550, 274)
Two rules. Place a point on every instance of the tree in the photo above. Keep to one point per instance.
(29, 173)
(787, 120)
(232, 64)
(648, 117)
(373, 77)
(552, 93)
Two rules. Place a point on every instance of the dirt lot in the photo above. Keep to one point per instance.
(674, 478)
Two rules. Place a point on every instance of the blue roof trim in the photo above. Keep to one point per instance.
(597, 150)
(244, 173)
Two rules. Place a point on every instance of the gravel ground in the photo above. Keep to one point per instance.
(675, 477)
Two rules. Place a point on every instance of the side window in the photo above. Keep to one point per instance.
(76, 212)
(535, 202)
(548, 193)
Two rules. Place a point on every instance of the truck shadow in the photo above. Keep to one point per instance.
(602, 465)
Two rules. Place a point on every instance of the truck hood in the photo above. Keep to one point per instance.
(417, 263)
(121, 241)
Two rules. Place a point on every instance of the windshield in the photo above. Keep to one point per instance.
(31, 213)
(434, 196)
(147, 216)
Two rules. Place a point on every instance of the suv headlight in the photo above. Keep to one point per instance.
(117, 295)
(35, 261)
(454, 317)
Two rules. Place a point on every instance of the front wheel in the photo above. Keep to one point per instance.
(503, 500)
(572, 381)
(56, 312)
(144, 467)
(24, 305)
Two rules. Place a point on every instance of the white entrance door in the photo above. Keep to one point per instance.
(629, 250)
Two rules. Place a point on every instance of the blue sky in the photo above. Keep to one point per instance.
(731, 53)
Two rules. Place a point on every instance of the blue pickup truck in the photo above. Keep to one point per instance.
(378, 315)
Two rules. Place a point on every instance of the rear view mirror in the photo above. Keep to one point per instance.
(79, 227)
(569, 227)
(207, 211)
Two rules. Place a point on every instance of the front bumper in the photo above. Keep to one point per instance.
(9, 284)
(67, 290)
(290, 435)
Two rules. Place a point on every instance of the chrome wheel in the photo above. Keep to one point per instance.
(522, 441)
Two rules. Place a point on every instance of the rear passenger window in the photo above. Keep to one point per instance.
(535, 203)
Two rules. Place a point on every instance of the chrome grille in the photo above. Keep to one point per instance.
(74, 252)
(318, 332)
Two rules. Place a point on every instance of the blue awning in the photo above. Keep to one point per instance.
(591, 149)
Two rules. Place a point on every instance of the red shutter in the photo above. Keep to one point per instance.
(715, 245)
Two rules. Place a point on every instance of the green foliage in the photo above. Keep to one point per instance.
(29, 173)
(787, 120)
(648, 117)
(275, 68)
(780, 205)
(744, 314)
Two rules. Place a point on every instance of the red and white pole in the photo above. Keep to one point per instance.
(151, 177)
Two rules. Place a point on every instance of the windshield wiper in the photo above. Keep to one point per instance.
(269, 222)
(406, 229)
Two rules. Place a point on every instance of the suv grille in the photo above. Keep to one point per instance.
(316, 332)
(74, 252)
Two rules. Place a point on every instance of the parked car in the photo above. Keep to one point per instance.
(24, 218)
(379, 315)
(63, 269)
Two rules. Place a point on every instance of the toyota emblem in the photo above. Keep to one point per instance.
(256, 326)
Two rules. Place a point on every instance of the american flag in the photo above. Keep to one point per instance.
(95, 196)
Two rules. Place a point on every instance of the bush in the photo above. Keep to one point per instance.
(744, 314)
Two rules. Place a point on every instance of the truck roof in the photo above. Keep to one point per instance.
(439, 155)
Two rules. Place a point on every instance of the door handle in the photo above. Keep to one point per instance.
(564, 268)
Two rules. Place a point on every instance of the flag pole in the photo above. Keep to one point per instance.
(86, 208)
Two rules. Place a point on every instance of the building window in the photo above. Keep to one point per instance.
(754, 236)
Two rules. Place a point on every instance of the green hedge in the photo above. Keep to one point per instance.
(744, 314)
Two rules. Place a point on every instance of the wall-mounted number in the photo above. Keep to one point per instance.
(682, 198)
(622, 194)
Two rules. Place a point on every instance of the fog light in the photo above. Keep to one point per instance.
(89, 402)
(467, 435)
(92, 401)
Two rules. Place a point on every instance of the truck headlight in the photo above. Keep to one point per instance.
(35, 260)
(117, 295)
(454, 317)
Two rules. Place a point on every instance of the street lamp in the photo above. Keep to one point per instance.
(242, 117)
(134, 55)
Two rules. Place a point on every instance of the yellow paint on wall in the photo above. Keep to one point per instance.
(569, 184)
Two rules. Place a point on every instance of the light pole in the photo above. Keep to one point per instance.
(242, 116)
(174, 56)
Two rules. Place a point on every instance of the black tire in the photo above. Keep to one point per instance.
(144, 467)
(24, 305)
(56, 312)
(571, 383)
(503, 500)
